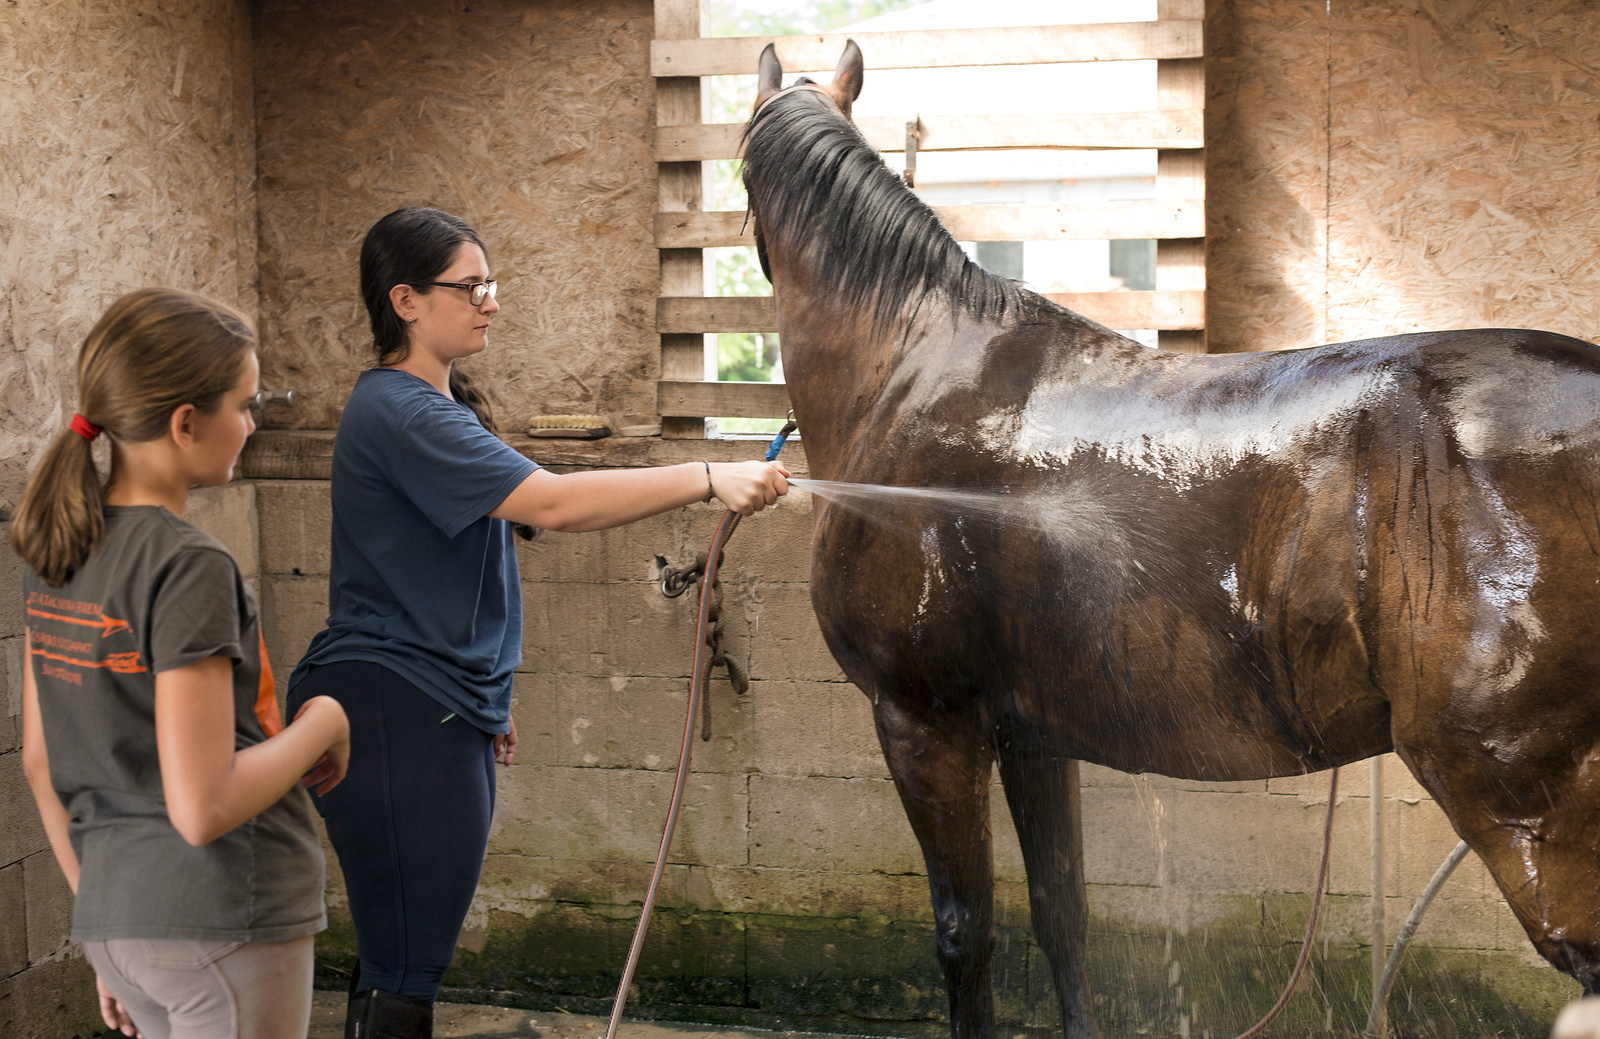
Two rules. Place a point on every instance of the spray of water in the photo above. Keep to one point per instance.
(867, 499)
(1063, 512)
(1076, 520)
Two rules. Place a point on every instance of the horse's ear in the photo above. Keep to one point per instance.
(769, 74)
(847, 77)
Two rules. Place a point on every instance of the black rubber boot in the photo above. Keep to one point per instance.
(351, 1012)
(375, 1014)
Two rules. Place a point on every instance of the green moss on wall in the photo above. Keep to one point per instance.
(872, 975)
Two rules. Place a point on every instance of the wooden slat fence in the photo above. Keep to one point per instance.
(681, 55)
(935, 48)
(1178, 129)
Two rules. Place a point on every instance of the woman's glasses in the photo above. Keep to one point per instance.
(477, 290)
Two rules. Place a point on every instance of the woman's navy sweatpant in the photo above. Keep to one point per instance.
(409, 823)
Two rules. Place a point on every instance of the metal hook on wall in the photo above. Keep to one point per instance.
(914, 132)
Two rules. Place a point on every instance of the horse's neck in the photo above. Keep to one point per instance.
(839, 369)
(835, 370)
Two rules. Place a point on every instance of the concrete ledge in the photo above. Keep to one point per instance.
(307, 454)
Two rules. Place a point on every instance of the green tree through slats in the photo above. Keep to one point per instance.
(753, 356)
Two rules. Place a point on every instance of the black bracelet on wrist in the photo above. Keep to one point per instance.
(710, 492)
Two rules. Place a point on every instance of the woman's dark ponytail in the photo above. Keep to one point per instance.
(463, 389)
(154, 350)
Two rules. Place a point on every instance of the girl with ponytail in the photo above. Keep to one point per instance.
(151, 739)
(425, 605)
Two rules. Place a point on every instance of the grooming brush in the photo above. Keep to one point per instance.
(583, 427)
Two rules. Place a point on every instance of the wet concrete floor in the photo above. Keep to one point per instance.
(464, 1021)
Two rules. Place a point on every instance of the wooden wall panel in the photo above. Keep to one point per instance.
(1181, 173)
(531, 121)
(1266, 173)
(127, 143)
(1174, 37)
(681, 188)
(1043, 222)
(1172, 128)
(1399, 166)
(1464, 188)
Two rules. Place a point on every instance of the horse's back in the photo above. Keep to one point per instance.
(1501, 393)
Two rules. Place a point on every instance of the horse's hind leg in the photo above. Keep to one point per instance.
(941, 766)
(1042, 791)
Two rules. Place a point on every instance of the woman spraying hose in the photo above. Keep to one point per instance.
(425, 610)
(151, 742)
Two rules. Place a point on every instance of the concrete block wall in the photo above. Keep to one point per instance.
(46, 987)
(796, 895)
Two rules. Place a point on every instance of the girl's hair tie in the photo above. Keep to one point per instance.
(84, 428)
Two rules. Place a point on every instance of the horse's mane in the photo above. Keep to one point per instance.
(870, 241)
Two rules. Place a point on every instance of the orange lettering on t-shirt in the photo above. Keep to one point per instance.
(55, 602)
(58, 643)
(61, 673)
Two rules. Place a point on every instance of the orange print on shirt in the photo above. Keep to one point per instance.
(69, 650)
(122, 663)
(108, 625)
(267, 694)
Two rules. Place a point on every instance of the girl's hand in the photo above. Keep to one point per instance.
(506, 745)
(326, 773)
(329, 770)
(749, 487)
(113, 1013)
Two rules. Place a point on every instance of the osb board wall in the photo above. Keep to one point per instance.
(1391, 167)
(530, 120)
(1463, 190)
(128, 147)
(1266, 174)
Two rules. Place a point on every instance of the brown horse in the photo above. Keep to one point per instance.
(1220, 567)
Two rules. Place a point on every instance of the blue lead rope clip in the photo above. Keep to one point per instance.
(782, 437)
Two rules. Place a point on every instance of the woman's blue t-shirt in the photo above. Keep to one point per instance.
(422, 580)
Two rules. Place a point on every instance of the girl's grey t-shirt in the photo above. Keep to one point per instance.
(158, 594)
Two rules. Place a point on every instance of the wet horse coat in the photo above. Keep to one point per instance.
(1217, 567)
